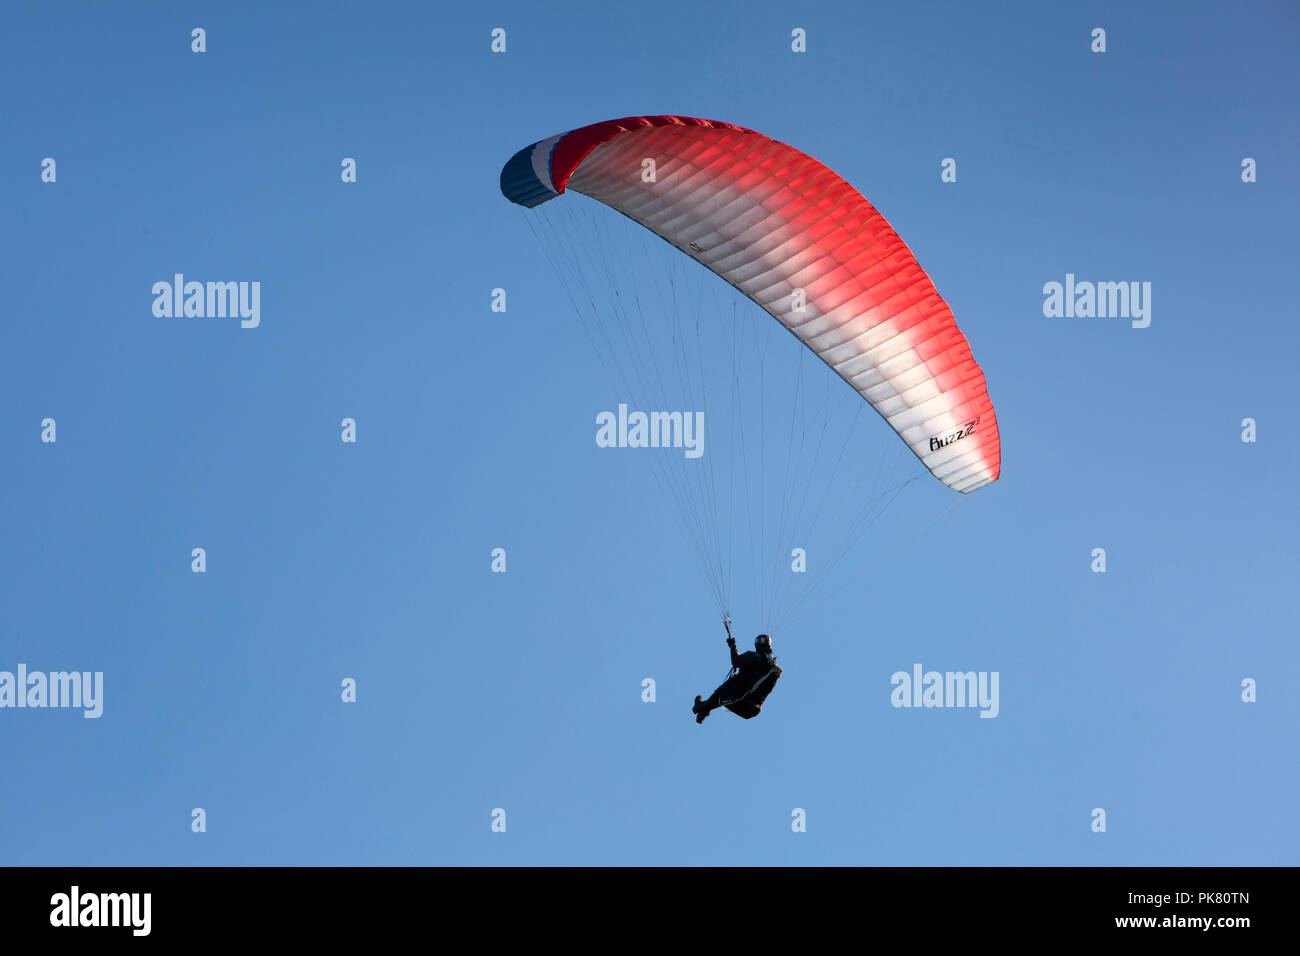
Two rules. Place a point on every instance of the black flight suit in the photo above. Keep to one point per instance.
(743, 693)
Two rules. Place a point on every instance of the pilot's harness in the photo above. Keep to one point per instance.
(726, 622)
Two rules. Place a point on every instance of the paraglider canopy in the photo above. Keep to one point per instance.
(808, 248)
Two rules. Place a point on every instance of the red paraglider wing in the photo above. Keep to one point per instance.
(808, 248)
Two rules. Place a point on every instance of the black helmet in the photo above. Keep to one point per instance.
(763, 644)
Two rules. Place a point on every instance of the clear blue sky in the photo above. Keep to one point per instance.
(523, 690)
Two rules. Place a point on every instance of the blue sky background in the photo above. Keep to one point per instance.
(523, 690)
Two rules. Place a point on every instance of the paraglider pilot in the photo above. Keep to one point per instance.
(754, 674)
